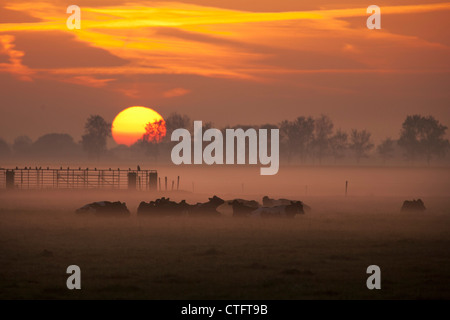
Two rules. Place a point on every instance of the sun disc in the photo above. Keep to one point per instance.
(129, 125)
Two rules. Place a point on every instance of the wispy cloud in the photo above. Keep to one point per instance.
(15, 65)
(180, 38)
(176, 92)
(89, 81)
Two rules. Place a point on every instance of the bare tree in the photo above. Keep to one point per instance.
(423, 136)
(97, 130)
(297, 136)
(360, 143)
(22, 145)
(176, 121)
(338, 144)
(154, 134)
(5, 150)
(386, 149)
(323, 128)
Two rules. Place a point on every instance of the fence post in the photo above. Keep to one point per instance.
(9, 179)
(153, 181)
(131, 180)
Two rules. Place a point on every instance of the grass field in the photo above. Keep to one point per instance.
(320, 255)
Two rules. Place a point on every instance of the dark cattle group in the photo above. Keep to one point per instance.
(267, 202)
(414, 205)
(270, 208)
(241, 208)
(164, 207)
(105, 208)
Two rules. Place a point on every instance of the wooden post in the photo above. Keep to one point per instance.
(153, 181)
(346, 187)
(165, 183)
(132, 180)
(173, 183)
(159, 183)
(10, 179)
(178, 183)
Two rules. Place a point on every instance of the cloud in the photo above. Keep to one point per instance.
(14, 65)
(11, 16)
(176, 92)
(171, 38)
(89, 81)
(56, 49)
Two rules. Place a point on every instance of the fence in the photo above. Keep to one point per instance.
(47, 178)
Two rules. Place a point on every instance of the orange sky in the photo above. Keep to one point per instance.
(223, 61)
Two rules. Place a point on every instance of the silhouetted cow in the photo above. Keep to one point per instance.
(207, 208)
(248, 203)
(241, 209)
(162, 207)
(286, 211)
(105, 208)
(267, 202)
(414, 205)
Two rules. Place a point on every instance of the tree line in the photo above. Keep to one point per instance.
(303, 140)
(308, 140)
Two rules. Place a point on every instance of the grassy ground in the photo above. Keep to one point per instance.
(321, 255)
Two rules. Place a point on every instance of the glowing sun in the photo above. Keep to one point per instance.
(136, 123)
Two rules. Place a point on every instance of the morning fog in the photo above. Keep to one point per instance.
(231, 150)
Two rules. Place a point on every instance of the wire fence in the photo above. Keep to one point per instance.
(47, 178)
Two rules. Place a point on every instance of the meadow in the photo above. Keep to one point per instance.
(323, 254)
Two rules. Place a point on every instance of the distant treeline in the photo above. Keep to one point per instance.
(304, 140)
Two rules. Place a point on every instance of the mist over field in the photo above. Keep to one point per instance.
(321, 254)
(233, 149)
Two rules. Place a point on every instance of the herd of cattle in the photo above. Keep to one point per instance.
(166, 207)
(241, 208)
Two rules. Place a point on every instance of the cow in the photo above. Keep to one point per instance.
(207, 208)
(249, 203)
(241, 209)
(227, 207)
(267, 202)
(283, 211)
(414, 205)
(162, 207)
(105, 208)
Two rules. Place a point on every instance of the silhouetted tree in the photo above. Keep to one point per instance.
(22, 145)
(360, 143)
(154, 133)
(176, 121)
(97, 130)
(423, 136)
(5, 150)
(323, 128)
(386, 149)
(54, 145)
(297, 136)
(338, 144)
